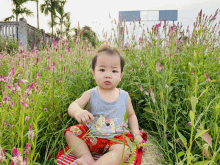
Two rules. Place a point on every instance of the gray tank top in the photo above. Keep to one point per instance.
(109, 116)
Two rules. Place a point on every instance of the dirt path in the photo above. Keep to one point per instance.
(153, 155)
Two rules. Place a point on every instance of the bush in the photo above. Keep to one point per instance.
(11, 46)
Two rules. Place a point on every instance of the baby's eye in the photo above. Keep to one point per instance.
(101, 69)
(115, 71)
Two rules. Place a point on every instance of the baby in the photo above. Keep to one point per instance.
(105, 114)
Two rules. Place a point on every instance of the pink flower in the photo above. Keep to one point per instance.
(30, 127)
(23, 81)
(45, 109)
(158, 67)
(5, 100)
(152, 95)
(64, 69)
(192, 73)
(164, 135)
(143, 141)
(54, 67)
(31, 86)
(25, 161)
(27, 118)
(2, 155)
(28, 146)
(9, 86)
(146, 93)
(24, 104)
(166, 86)
(141, 88)
(207, 78)
(189, 123)
(11, 104)
(16, 152)
(123, 125)
(37, 89)
(30, 133)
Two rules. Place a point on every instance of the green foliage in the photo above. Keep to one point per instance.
(10, 46)
(86, 32)
(19, 10)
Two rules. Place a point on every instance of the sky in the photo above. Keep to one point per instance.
(95, 13)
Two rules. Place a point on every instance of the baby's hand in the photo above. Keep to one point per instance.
(140, 141)
(84, 116)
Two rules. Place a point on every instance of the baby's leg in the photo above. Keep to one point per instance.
(81, 151)
(113, 157)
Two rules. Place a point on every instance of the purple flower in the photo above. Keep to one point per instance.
(164, 135)
(189, 123)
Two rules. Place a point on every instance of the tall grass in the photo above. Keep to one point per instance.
(174, 90)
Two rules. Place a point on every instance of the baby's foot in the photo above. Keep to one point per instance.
(83, 160)
(79, 162)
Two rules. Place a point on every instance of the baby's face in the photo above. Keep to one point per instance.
(107, 68)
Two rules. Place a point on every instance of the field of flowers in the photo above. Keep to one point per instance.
(174, 86)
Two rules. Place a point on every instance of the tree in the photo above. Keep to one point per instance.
(37, 14)
(50, 6)
(87, 33)
(19, 9)
(64, 18)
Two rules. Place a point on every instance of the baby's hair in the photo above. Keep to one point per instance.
(109, 51)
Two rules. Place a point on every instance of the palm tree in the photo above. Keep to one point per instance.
(50, 6)
(19, 9)
(63, 17)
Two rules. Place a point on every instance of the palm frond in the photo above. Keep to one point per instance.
(9, 18)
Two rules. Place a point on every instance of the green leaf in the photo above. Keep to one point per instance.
(206, 162)
(140, 101)
(175, 127)
(180, 154)
(171, 144)
(195, 55)
(193, 103)
(192, 117)
(183, 139)
(125, 116)
(200, 133)
(144, 144)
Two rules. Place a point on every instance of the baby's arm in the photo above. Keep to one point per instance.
(79, 104)
(132, 118)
